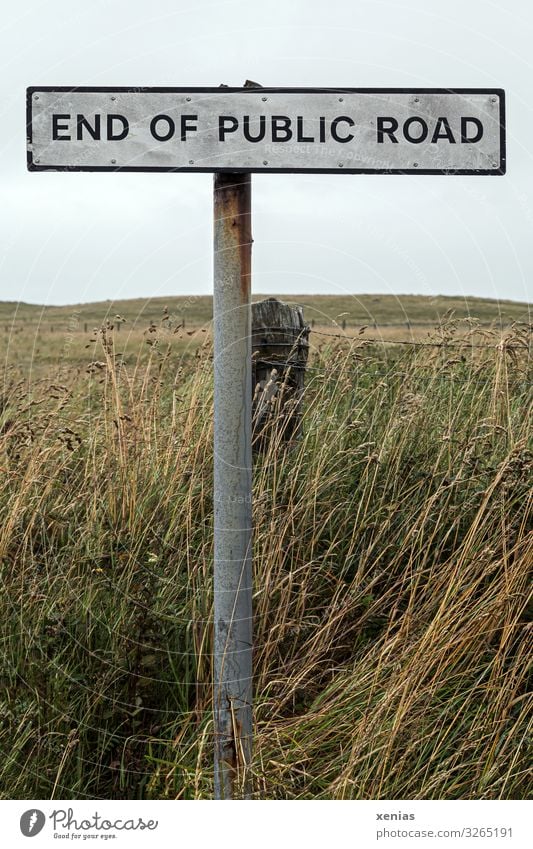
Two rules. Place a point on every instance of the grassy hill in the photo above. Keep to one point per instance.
(324, 309)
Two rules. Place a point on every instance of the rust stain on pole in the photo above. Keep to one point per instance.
(233, 202)
(232, 692)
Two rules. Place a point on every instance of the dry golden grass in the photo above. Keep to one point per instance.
(393, 550)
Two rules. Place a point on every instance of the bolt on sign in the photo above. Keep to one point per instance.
(354, 131)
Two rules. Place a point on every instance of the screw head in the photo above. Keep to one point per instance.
(265, 161)
(341, 164)
(37, 161)
(113, 97)
(341, 99)
(264, 99)
(36, 97)
(113, 162)
(188, 99)
(191, 161)
(415, 164)
(417, 100)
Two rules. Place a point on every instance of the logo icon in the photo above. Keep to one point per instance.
(32, 822)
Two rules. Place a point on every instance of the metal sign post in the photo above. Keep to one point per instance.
(232, 485)
(234, 132)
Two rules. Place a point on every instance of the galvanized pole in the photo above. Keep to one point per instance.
(232, 486)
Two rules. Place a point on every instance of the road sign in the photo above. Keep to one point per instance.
(235, 131)
(350, 131)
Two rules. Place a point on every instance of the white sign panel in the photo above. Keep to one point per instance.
(354, 131)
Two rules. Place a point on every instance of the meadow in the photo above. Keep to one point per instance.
(393, 549)
(196, 310)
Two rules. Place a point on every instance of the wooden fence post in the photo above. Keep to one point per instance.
(280, 345)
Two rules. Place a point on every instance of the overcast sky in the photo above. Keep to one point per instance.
(70, 238)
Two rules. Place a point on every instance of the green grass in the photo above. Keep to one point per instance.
(392, 555)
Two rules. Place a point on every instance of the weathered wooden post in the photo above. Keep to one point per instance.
(280, 345)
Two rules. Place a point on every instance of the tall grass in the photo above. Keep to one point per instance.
(392, 553)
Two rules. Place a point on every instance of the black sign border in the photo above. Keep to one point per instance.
(498, 92)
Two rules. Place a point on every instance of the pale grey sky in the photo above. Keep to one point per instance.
(71, 237)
